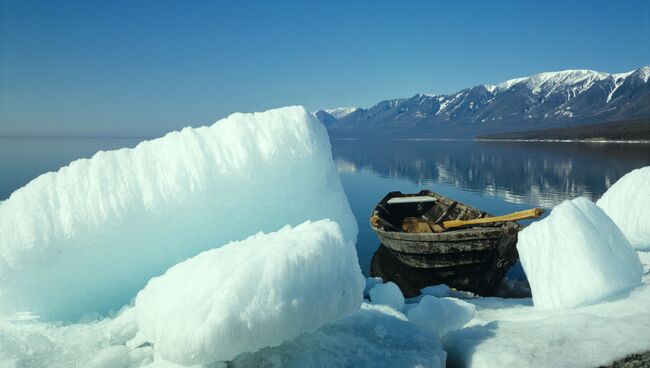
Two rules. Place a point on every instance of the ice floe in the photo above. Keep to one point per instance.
(251, 294)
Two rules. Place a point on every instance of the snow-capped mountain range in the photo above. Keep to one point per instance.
(544, 100)
(341, 112)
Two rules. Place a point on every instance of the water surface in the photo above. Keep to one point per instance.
(498, 177)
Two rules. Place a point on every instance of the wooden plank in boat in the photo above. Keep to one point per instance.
(412, 199)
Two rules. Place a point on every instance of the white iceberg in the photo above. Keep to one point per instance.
(627, 202)
(577, 255)
(251, 294)
(87, 237)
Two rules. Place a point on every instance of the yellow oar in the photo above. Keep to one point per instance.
(521, 215)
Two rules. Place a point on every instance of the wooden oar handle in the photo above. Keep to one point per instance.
(521, 215)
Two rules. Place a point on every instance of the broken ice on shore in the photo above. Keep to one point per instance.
(627, 202)
(251, 294)
(577, 255)
(240, 240)
(591, 292)
(513, 333)
(86, 238)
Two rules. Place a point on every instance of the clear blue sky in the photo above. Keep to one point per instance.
(126, 68)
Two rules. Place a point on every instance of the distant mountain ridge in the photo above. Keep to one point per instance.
(545, 100)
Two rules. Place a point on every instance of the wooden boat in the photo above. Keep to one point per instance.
(474, 257)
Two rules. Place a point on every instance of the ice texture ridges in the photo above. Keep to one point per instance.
(89, 236)
(627, 203)
(577, 255)
(251, 294)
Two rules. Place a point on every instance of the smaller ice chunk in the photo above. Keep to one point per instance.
(627, 203)
(577, 255)
(251, 294)
(439, 291)
(96, 344)
(387, 294)
(441, 315)
(370, 283)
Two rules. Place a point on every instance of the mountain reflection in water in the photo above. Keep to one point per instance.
(535, 173)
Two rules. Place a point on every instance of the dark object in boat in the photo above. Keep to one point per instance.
(472, 258)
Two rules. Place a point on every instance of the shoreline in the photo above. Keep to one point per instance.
(599, 141)
(637, 360)
(531, 140)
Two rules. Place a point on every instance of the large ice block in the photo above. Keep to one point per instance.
(577, 255)
(87, 237)
(251, 294)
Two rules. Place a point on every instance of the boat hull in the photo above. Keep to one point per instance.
(474, 259)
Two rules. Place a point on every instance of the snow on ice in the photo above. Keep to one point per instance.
(376, 336)
(503, 333)
(99, 344)
(87, 237)
(627, 203)
(513, 333)
(251, 294)
(577, 255)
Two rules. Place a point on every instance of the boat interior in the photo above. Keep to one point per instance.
(421, 212)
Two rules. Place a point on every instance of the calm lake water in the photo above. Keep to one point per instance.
(498, 177)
